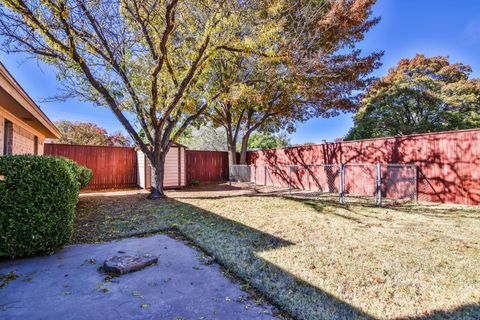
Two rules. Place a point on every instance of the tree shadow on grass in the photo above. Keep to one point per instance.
(319, 201)
(465, 312)
(234, 245)
(324, 205)
(440, 211)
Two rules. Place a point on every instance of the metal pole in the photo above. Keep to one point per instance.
(340, 187)
(379, 184)
(265, 174)
(273, 181)
(255, 176)
(416, 183)
(375, 187)
(289, 180)
(342, 183)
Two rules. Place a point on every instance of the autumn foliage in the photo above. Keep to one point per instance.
(317, 72)
(419, 95)
(87, 133)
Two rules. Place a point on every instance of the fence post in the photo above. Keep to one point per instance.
(379, 185)
(254, 176)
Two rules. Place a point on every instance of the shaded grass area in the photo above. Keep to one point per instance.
(315, 258)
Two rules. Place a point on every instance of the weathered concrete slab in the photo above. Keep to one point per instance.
(67, 285)
(125, 264)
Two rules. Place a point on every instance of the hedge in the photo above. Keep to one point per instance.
(38, 195)
(83, 174)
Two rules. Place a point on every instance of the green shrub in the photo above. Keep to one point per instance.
(84, 177)
(82, 174)
(194, 182)
(38, 195)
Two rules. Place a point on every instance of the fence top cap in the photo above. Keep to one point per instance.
(48, 144)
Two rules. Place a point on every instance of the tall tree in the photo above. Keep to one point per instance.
(144, 57)
(318, 72)
(87, 133)
(419, 95)
(247, 101)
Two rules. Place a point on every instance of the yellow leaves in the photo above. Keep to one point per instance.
(276, 7)
(249, 43)
(190, 106)
(246, 94)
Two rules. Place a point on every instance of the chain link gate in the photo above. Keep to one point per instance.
(363, 183)
(258, 175)
(360, 183)
(356, 182)
(379, 182)
(271, 175)
(399, 182)
(240, 173)
(320, 179)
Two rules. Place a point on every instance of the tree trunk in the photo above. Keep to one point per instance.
(243, 150)
(232, 150)
(158, 171)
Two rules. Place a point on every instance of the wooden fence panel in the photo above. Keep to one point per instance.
(448, 162)
(113, 167)
(207, 166)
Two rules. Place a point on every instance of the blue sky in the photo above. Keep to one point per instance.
(432, 27)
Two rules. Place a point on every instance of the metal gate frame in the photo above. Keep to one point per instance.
(308, 166)
(233, 176)
(398, 165)
(266, 175)
(377, 180)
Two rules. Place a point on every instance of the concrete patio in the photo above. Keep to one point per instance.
(68, 285)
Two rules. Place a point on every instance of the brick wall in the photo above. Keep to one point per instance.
(41, 147)
(8, 129)
(23, 141)
(2, 120)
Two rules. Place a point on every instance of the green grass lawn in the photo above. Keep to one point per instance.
(316, 259)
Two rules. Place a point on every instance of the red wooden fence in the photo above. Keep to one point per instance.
(207, 166)
(113, 167)
(448, 162)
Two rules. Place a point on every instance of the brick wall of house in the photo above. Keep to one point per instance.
(2, 120)
(23, 141)
(41, 143)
